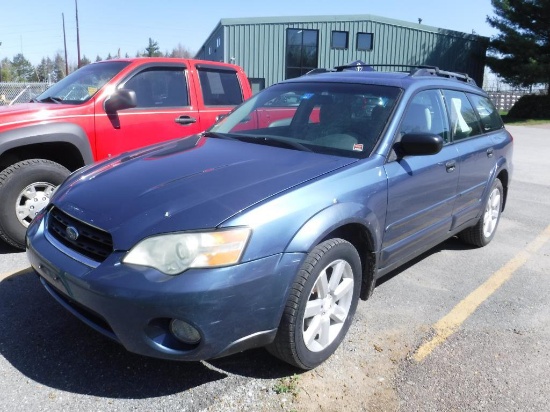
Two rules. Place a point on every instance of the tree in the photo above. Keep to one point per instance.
(6, 74)
(59, 70)
(180, 51)
(23, 69)
(153, 49)
(521, 52)
(45, 70)
(84, 61)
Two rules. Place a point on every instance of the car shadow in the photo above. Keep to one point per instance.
(48, 345)
(452, 243)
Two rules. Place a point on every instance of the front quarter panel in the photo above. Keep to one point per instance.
(296, 221)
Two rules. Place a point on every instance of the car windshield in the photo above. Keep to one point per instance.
(334, 118)
(81, 85)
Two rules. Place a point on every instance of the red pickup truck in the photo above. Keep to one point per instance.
(99, 111)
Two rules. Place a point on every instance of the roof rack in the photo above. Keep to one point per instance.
(413, 70)
(317, 71)
(436, 71)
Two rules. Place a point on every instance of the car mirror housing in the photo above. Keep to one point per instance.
(420, 144)
(121, 99)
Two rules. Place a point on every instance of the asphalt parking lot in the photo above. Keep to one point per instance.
(458, 329)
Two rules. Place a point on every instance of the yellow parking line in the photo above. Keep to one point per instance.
(450, 323)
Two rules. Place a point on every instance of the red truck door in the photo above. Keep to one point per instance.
(166, 109)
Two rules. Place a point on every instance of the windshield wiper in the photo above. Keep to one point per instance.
(273, 141)
(54, 99)
(259, 139)
(219, 135)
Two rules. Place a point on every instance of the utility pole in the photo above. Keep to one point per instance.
(77, 35)
(65, 44)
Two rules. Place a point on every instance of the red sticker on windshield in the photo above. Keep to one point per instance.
(357, 147)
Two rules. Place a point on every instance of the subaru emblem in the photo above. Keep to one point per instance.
(72, 233)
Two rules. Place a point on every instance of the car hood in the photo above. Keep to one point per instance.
(187, 184)
(29, 112)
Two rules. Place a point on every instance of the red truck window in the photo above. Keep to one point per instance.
(160, 87)
(220, 87)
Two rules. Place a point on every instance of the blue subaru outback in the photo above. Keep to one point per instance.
(267, 229)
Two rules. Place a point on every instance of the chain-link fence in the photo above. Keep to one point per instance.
(505, 96)
(12, 92)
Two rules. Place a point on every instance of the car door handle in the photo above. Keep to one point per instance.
(490, 152)
(450, 166)
(185, 120)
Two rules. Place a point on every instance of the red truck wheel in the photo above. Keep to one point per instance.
(25, 189)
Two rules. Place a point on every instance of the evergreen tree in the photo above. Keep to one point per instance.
(45, 70)
(59, 70)
(521, 52)
(153, 49)
(23, 70)
(84, 61)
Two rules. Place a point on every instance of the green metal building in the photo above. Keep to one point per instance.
(271, 49)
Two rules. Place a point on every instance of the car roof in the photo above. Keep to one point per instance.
(415, 78)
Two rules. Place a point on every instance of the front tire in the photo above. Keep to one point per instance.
(25, 189)
(484, 230)
(321, 305)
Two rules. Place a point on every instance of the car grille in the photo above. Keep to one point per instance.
(91, 242)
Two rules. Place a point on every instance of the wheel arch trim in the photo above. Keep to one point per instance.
(329, 221)
(49, 133)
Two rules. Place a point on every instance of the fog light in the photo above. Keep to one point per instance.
(184, 332)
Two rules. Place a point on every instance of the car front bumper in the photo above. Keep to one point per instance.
(233, 308)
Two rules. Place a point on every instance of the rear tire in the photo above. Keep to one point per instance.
(321, 305)
(25, 189)
(484, 230)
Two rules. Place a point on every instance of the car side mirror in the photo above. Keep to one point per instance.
(121, 99)
(420, 144)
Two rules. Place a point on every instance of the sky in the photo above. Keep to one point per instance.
(35, 27)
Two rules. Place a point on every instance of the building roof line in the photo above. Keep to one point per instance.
(341, 18)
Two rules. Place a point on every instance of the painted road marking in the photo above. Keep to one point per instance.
(450, 323)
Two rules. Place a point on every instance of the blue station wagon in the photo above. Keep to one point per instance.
(267, 229)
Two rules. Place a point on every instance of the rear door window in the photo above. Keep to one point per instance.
(464, 121)
(220, 87)
(490, 119)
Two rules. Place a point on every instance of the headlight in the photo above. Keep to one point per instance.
(176, 252)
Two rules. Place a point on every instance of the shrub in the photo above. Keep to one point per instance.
(531, 107)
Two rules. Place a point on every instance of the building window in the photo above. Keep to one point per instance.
(302, 48)
(339, 40)
(218, 42)
(209, 50)
(364, 41)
